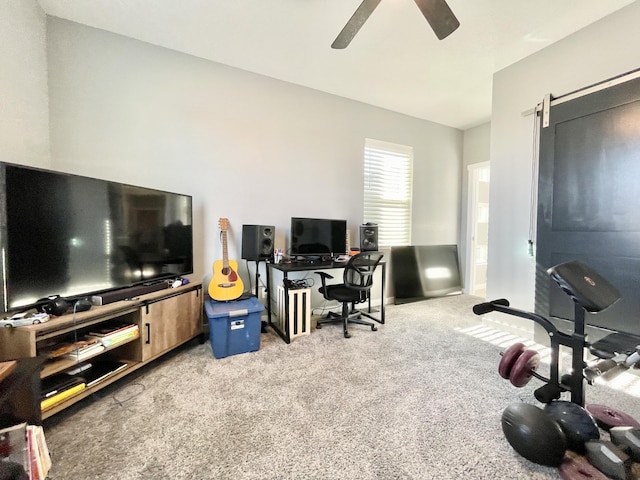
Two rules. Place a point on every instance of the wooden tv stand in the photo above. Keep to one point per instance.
(165, 320)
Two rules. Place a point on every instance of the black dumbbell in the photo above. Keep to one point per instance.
(609, 459)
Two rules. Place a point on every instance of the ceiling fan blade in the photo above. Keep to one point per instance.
(354, 24)
(440, 17)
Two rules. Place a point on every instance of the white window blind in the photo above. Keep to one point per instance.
(388, 172)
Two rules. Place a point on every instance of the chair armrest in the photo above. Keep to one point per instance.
(323, 277)
(323, 274)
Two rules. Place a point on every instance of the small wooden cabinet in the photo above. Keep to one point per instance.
(169, 322)
(165, 320)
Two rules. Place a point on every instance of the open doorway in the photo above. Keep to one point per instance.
(478, 229)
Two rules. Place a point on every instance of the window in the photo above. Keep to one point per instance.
(388, 171)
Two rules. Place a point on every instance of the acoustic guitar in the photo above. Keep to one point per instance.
(225, 284)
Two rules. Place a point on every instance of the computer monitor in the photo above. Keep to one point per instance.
(318, 236)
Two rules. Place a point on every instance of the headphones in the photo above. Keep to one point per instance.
(53, 305)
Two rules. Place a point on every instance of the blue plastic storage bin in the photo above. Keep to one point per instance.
(234, 327)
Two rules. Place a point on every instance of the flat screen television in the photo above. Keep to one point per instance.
(318, 236)
(69, 235)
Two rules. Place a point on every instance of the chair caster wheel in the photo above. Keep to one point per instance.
(374, 328)
(319, 325)
(347, 335)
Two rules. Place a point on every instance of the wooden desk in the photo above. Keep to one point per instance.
(6, 368)
(286, 268)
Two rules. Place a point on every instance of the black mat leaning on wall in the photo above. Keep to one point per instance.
(425, 271)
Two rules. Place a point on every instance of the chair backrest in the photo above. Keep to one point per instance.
(358, 273)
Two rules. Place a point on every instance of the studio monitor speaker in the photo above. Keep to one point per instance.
(369, 237)
(257, 242)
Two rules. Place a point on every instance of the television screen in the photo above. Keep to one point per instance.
(71, 235)
(318, 236)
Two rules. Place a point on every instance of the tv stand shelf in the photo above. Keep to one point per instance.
(61, 364)
(165, 320)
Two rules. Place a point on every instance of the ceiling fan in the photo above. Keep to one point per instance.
(437, 12)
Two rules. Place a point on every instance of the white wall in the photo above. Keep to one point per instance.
(476, 149)
(24, 111)
(247, 147)
(600, 51)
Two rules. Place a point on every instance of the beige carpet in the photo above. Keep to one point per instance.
(418, 399)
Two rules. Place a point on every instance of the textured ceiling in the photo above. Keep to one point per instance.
(395, 61)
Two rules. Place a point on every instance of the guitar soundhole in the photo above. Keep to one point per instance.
(228, 272)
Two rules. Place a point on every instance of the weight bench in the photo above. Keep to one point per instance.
(591, 293)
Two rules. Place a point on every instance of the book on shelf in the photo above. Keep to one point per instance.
(85, 352)
(109, 338)
(79, 368)
(58, 383)
(112, 340)
(40, 459)
(108, 330)
(35, 464)
(43, 449)
(63, 349)
(101, 369)
(61, 396)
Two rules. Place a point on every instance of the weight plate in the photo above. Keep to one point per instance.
(608, 417)
(509, 357)
(523, 369)
(577, 467)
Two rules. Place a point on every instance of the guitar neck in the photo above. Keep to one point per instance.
(225, 254)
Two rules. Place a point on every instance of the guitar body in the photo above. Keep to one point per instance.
(225, 284)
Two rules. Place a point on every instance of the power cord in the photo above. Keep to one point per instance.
(297, 284)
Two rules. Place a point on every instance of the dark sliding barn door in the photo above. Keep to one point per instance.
(589, 200)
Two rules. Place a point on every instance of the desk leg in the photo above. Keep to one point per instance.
(268, 268)
(286, 308)
(382, 285)
(283, 335)
(263, 325)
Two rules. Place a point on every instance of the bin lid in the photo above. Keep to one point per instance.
(233, 308)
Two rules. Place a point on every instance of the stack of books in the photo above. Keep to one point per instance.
(111, 335)
(86, 348)
(57, 388)
(98, 370)
(25, 448)
(61, 386)
(38, 453)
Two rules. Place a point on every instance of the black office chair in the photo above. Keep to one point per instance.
(358, 279)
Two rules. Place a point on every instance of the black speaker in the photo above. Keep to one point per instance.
(369, 237)
(257, 242)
